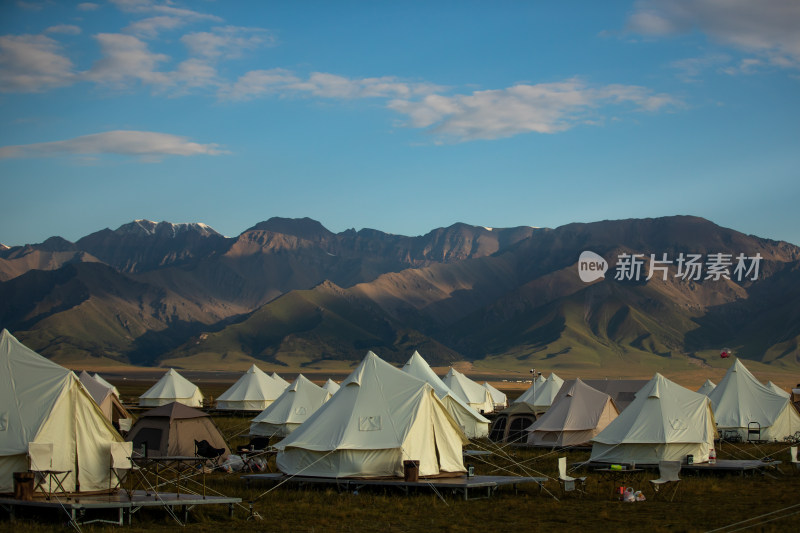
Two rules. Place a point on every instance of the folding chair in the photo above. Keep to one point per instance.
(668, 475)
(793, 456)
(568, 482)
(204, 449)
(121, 463)
(40, 456)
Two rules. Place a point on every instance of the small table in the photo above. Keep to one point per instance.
(618, 477)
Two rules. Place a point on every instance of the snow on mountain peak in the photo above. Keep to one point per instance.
(144, 227)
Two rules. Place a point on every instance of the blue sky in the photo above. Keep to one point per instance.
(398, 116)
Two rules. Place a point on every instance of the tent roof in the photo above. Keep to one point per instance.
(295, 404)
(102, 381)
(97, 390)
(331, 386)
(279, 379)
(543, 393)
(740, 398)
(29, 387)
(663, 412)
(497, 396)
(171, 385)
(254, 385)
(706, 387)
(469, 391)
(373, 410)
(577, 407)
(174, 410)
(777, 390)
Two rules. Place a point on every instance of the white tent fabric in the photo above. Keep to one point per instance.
(293, 407)
(104, 397)
(740, 399)
(540, 394)
(777, 390)
(666, 422)
(254, 391)
(472, 423)
(172, 387)
(331, 386)
(42, 402)
(279, 379)
(499, 398)
(102, 381)
(578, 413)
(380, 417)
(706, 387)
(473, 394)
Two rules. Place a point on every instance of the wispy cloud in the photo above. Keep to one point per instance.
(147, 145)
(88, 6)
(33, 63)
(227, 41)
(766, 28)
(691, 69)
(257, 83)
(65, 29)
(126, 58)
(541, 108)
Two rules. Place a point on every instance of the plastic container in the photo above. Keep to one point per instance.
(712, 456)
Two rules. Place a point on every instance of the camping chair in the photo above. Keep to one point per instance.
(120, 464)
(793, 457)
(668, 475)
(568, 482)
(204, 449)
(40, 456)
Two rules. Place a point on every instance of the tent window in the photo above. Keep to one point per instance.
(498, 429)
(369, 423)
(516, 431)
(300, 410)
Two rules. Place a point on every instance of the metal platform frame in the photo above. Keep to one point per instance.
(486, 485)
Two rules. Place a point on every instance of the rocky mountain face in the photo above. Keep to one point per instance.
(289, 290)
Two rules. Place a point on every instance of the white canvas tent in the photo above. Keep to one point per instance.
(254, 391)
(666, 422)
(102, 381)
(472, 423)
(578, 413)
(740, 399)
(540, 395)
(473, 394)
(706, 387)
(331, 386)
(293, 407)
(279, 379)
(172, 387)
(380, 417)
(777, 390)
(499, 398)
(44, 403)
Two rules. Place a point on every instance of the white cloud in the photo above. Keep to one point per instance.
(690, 69)
(88, 6)
(766, 28)
(334, 86)
(259, 83)
(144, 144)
(541, 108)
(126, 58)
(66, 29)
(149, 27)
(162, 8)
(228, 41)
(32, 63)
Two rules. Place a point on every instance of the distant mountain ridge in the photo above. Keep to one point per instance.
(289, 291)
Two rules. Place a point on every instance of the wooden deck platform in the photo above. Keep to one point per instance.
(86, 509)
(736, 466)
(484, 486)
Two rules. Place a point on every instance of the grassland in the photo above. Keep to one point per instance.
(702, 504)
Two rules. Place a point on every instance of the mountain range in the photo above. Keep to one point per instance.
(291, 293)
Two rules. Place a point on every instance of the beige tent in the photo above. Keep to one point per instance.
(706, 387)
(172, 387)
(540, 395)
(473, 394)
(44, 403)
(279, 379)
(511, 424)
(498, 397)
(104, 397)
(331, 386)
(741, 403)
(380, 417)
(577, 414)
(254, 391)
(473, 424)
(293, 407)
(666, 422)
(172, 429)
(102, 381)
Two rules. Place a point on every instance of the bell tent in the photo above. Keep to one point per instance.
(499, 398)
(706, 387)
(475, 395)
(293, 407)
(380, 417)
(540, 395)
(473, 424)
(172, 387)
(104, 397)
(254, 391)
(42, 402)
(666, 422)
